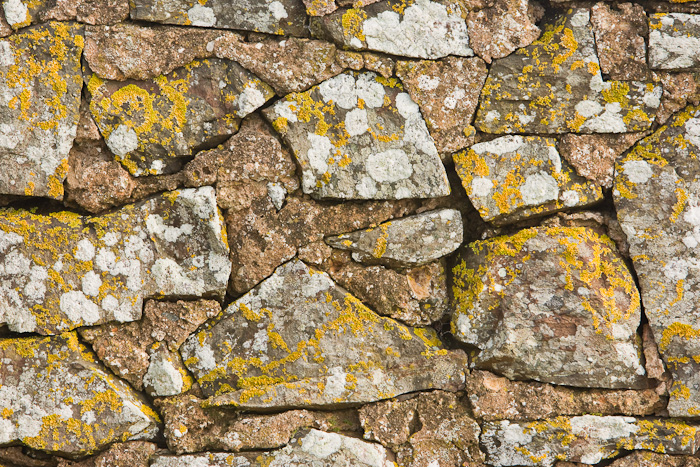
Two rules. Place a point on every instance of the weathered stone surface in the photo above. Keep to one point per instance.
(320, 7)
(56, 398)
(553, 304)
(357, 136)
(619, 39)
(62, 271)
(299, 340)
(494, 397)
(285, 17)
(432, 429)
(166, 374)
(447, 92)
(15, 456)
(587, 439)
(500, 29)
(515, 177)
(415, 28)
(408, 242)
(130, 454)
(680, 89)
(21, 13)
(560, 89)
(150, 125)
(653, 459)
(674, 41)
(309, 447)
(5, 29)
(40, 85)
(655, 194)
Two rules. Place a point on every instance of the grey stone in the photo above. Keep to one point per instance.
(674, 41)
(22, 13)
(61, 271)
(357, 136)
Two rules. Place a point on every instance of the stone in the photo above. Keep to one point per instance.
(432, 429)
(447, 92)
(680, 89)
(412, 241)
(379, 63)
(5, 28)
(653, 459)
(60, 271)
(588, 439)
(283, 17)
(132, 454)
(299, 340)
(320, 7)
(511, 178)
(494, 397)
(189, 428)
(553, 304)
(151, 125)
(166, 374)
(56, 398)
(308, 447)
(500, 29)
(560, 89)
(674, 41)
(21, 13)
(655, 194)
(127, 348)
(357, 136)
(40, 84)
(652, 360)
(414, 28)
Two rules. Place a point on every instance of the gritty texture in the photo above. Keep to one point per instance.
(21, 13)
(674, 41)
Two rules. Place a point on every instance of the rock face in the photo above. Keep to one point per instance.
(298, 340)
(40, 84)
(655, 192)
(151, 125)
(357, 136)
(61, 271)
(560, 89)
(56, 398)
(674, 41)
(553, 304)
(515, 177)
(132, 454)
(21, 13)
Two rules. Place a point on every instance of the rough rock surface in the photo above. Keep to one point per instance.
(673, 41)
(407, 242)
(21, 13)
(56, 398)
(40, 84)
(150, 125)
(357, 136)
(653, 459)
(560, 89)
(553, 304)
(515, 177)
(299, 340)
(680, 89)
(588, 439)
(61, 271)
(131, 454)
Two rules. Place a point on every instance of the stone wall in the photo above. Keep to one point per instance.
(420, 233)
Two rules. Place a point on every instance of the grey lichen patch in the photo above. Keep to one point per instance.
(413, 28)
(515, 177)
(299, 340)
(55, 397)
(674, 41)
(555, 86)
(166, 375)
(151, 125)
(553, 304)
(358, 136)
(283, 17)
(408, 242)
(62, 271)
(40, 84)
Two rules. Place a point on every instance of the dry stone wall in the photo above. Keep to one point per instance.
(416, 233)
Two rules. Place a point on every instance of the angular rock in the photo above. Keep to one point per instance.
(404, 243)
(20, 456)
(379, 63)
(5, 29)
(52, 392)
(151, 125)
(493, 397)
(652, 459)
(414, 28)
(680, 89)
(61, 271)
(619, 38)
(560, 89)
(131, 454)
(553, 304)
(357, 136)
(656, 196)
(40, 84)
(320, 7)
(298, 340)
(285, 17)
(515, 177)
(21, 13)
(497, 31)
(166, 374)
(588, 439)
(674, 41)
(447, 92)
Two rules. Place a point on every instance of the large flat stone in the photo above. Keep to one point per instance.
(61, 271)
(22, 13)
(674, 41)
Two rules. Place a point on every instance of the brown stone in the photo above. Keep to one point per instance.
(680, 89)
(17, 456)
(652, 360)
(379, 63)
(5, 29)
(319, 7)
(653, 459)
(84, 11)
(131, 454)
